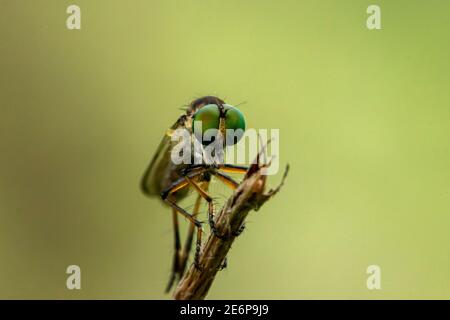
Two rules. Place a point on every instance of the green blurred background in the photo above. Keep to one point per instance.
(364, 122)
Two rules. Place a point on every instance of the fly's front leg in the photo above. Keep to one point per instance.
(209, 200)
(230, 182)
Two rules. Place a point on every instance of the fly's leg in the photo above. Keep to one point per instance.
(190, 236)
(230, 182)
(203, 193)
(166, 196)
(186, 214)
(226, 179)
(208, 199)
(194, 221)
(177, 254)
(231, 168)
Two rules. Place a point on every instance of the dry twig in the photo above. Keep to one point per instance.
(249, 195)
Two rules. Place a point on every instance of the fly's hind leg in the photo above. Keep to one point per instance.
(166, 195)
(190, 237)
(177, 253)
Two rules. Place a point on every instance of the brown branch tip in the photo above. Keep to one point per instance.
(250, 195)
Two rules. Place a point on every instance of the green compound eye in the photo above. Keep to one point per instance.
(209, 116)
(235, 121)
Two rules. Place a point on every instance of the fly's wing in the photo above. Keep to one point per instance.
(157, 174)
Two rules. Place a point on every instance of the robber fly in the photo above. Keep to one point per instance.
(172, 182)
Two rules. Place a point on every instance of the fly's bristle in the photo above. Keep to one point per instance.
(240, 104)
